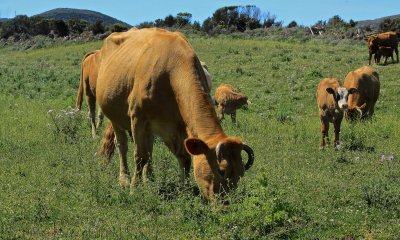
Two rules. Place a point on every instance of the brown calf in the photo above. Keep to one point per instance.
(383, 52)
(228, 100)
(332, 100)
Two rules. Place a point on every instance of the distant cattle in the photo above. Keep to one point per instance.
(383, 52)
(362, 103)
(153, 84)
(228, 100)
(387, 39)
(332, 101)
(87, 87)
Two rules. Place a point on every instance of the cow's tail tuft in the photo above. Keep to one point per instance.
(107, 143)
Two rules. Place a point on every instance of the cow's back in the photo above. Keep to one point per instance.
(388, 39)
(140, 77)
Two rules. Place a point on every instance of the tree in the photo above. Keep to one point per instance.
(40, 26)
(159, 22)
(98, 28)
(389, 24)
(292, 24)
(59, 27)
(117, 27)
(146, 25)
(239, 18)
(169, 21)
(183, 18)
(196, 26)
(208, 25)
(15, 27)
(77, 26)
(352, 23)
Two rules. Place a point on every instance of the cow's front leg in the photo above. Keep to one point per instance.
(143, 148)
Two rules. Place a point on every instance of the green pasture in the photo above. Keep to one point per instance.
(53, 186)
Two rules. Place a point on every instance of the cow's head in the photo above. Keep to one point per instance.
(218, 169)
(373, 45)
(355, 113)
(341, 96)
(244, 102)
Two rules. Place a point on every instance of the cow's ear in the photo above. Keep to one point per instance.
(353, 90)
(330, 90)
(196, 146)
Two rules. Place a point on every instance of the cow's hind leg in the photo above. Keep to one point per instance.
(100, 116)
(396, 50)
(91, 101)
(324, 132)
(143, 142)
(122, 144)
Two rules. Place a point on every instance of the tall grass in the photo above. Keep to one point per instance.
(52, 185)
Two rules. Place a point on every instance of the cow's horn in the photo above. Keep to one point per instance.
(218, 151)
(250, 154)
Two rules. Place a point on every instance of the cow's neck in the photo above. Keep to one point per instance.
(198, 112)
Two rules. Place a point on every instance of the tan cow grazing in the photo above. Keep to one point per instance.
(383, 52)
(228, 100)
(154, 84)
(362, 103)
(332, 101)
(387, 39)
(89, 71)
(87, 86)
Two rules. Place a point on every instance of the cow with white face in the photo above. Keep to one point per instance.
(332, 100)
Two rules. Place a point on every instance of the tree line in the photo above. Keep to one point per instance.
(224, 20)
(22, 27)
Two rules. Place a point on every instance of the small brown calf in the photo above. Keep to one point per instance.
(332, 101)
(228, 100)
(383, 52)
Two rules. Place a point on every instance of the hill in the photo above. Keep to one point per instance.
(4, 19)
(374, 24)
(88, 15)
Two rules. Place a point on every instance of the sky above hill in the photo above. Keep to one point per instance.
(304, 12)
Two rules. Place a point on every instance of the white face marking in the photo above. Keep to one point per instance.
(343, 94)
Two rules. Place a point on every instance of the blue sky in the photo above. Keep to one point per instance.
(305, 12)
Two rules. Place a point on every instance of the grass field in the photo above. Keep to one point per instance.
(52, 186)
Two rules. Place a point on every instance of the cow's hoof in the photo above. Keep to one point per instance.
(124, 180)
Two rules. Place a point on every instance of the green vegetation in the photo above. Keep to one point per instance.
(53, 186)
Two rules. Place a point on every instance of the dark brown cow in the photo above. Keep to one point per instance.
(387, 39)
(228, 100)
(153, 84)
(332, 101)
(383, 52)
(362, 103)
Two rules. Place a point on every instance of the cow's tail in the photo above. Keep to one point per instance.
(107, 143)
(79, 95)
